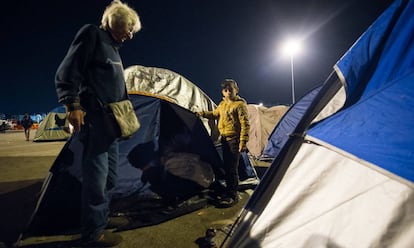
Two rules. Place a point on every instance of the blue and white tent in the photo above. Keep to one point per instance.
(347, 180)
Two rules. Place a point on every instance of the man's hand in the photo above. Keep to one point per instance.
(75, 118)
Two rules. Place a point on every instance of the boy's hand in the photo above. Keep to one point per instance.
(242, 147)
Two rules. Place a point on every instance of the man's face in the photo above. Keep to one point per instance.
(122, 32)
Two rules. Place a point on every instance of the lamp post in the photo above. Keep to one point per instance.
(291, 48)
(293, 79)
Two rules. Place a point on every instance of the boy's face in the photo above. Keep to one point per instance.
(229, 92)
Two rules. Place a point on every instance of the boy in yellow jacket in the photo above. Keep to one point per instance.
(233, 125)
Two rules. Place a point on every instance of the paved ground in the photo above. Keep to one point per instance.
(25, 164)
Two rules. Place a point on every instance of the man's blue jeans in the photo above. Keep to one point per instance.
(99, 173)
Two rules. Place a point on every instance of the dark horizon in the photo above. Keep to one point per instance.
(204, 42)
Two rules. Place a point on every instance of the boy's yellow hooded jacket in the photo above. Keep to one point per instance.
(233, 120)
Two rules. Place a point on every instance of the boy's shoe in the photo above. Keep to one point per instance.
(115, 222)
(106, 239)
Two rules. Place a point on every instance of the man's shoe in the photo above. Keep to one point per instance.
(115, 222)
(106, 239)
(228, 202)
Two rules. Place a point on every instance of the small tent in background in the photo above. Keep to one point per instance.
(53, 127)
(262, 121)
(347, 180)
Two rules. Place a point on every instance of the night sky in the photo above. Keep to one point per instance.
(203, 40)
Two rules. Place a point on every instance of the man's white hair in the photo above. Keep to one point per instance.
(118, 14)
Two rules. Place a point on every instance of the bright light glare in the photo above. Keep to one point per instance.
(292, 47)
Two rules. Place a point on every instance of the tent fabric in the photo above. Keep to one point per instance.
(262, 121)
(348, 180)
(166, 83)
(170, 86)
(53, 127)
(287, 124)
(334, 202)
(166, 129)
(386, 141)
(151, 174)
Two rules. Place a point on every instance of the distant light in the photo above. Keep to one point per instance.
(261, 104)
(291, 47)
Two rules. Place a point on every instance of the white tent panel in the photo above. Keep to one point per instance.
(335, 201)
(333, 105)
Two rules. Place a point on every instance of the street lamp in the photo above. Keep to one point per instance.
(292, 47)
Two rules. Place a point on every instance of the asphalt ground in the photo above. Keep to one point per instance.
(25, 164)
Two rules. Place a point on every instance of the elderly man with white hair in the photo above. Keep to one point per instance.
(91, 75)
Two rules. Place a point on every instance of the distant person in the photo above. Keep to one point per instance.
(3, 127)
(92, 69)
(27, 125)
(233, 125)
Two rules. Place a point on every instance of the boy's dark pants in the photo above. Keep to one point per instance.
(231, 156)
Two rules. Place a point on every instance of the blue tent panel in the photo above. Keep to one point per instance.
(149, 179)
(287, 124)
(376, 124)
